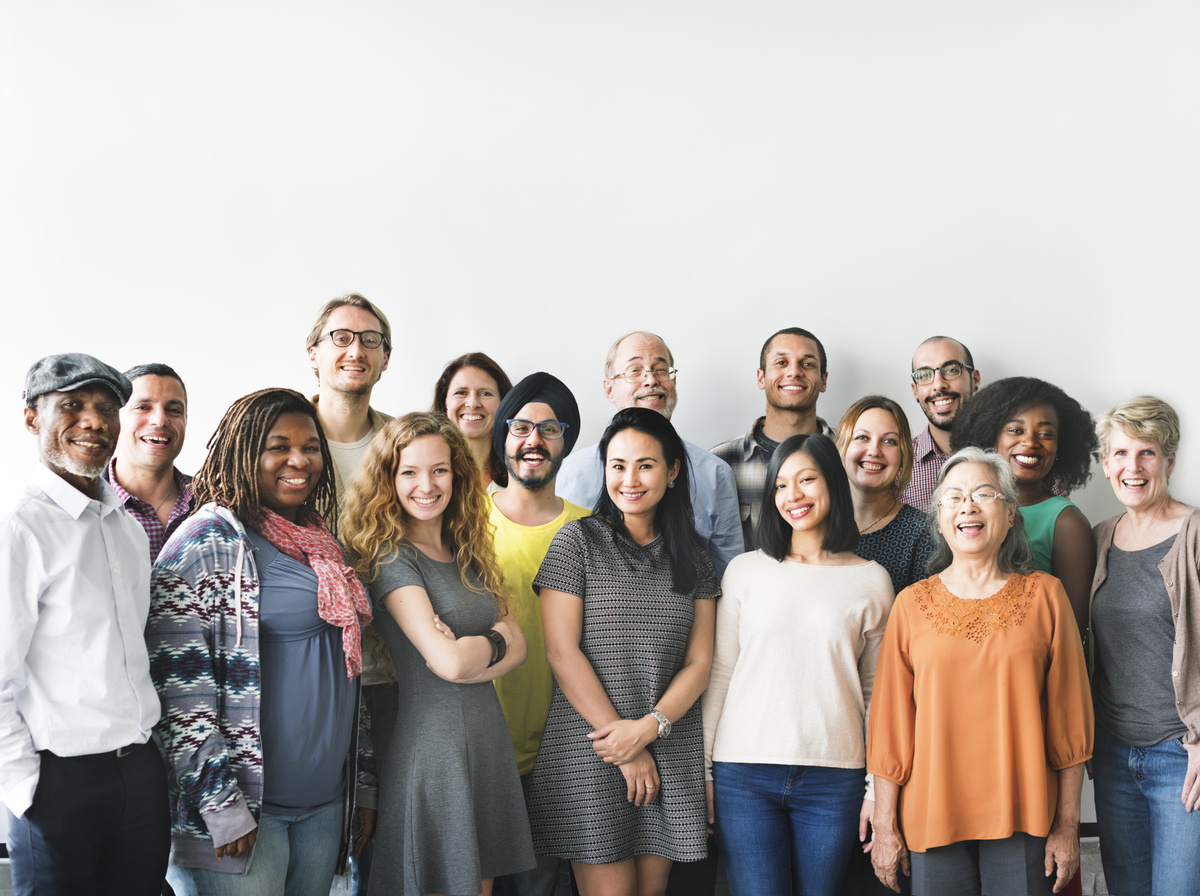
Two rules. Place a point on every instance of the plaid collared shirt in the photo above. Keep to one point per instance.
(147, 515)
(748, 457)
(927, 463)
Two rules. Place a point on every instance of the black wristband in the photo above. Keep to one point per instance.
(499, 645)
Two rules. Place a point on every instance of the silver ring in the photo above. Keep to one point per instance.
(649, 786)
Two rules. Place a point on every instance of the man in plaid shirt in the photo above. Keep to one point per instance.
(143, 472)
(944, 377)
(792, 374)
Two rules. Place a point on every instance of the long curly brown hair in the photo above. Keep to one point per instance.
(374, 521)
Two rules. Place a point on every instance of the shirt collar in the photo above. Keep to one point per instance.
(182, 483)
(924, 445)
(72, 501)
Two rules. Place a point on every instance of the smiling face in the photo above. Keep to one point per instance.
(636, 475)
(1139, 471)
(533, 461)
(425, 478)
(975, 530)
(77, 432)
(1029, 442)
(941, 399)
(801, 494)
(873, 455)
(648, 353)
(290, 465)
(792, 379)
(353, 370)
(471, 402)
(153, 423)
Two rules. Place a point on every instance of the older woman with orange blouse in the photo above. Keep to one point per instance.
(981, 718)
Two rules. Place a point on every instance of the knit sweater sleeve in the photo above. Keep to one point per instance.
(206, 671)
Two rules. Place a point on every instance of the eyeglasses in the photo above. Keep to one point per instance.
(637, 374)
(952, 500)
(951, 371)
(345, 338)
(550, 429)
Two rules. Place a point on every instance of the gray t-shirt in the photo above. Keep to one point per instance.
(1134, 630)
(307, 700)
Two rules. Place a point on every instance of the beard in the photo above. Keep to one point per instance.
(940, 421)
(533, 479)
(62, 460)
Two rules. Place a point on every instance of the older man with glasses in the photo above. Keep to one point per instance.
(943, 379)
(639, 371)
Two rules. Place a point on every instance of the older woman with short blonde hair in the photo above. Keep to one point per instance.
(1145, 620)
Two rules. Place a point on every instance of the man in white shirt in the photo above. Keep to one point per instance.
(85, 790)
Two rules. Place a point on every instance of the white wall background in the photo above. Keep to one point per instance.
(188, 182)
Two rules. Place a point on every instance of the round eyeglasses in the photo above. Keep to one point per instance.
(345, 338)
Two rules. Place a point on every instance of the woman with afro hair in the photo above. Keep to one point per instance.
(1049, 440)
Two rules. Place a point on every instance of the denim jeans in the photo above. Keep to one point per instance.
(294, 855)
(1148, 843)
(786, 830)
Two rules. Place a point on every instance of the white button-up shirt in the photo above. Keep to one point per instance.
(74, 596)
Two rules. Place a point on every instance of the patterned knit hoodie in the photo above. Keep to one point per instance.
(202, 635)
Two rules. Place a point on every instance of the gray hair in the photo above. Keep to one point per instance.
(611, 357)
(1015, 554)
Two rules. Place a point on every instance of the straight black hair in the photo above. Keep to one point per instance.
(841, 532)
(673, 515)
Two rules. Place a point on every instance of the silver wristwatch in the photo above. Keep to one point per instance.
(664, 725)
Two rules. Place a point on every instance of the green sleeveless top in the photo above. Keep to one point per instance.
(1039, 527)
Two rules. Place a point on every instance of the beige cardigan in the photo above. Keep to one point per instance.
(1180, 570)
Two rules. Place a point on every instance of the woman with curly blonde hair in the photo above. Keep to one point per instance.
(417, 532)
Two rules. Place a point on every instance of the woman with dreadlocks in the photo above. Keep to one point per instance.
(254, 637)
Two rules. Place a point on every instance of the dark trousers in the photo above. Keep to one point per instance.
(695, 878)
(98, 826)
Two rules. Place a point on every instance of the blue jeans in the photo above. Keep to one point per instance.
(1148, 843)
(294, 855)
(786, 830)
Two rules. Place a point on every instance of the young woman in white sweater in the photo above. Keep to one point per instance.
(798, 634)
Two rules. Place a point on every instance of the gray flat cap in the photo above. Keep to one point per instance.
(60, 373)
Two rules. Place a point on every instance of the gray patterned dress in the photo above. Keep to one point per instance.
(635, 632)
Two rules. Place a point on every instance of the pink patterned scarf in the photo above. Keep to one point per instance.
(341, 598)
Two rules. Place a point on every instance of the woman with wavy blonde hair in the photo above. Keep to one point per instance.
(417, 532)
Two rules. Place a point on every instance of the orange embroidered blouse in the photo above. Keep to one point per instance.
(977, 704)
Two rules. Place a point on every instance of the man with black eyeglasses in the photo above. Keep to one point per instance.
(536, 427)
(639, 371)
(349, 346)
(943, 379)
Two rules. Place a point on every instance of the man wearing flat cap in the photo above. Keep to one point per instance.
(85, 788)
(536, 427)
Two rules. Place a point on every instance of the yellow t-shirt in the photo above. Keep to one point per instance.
(525, 691)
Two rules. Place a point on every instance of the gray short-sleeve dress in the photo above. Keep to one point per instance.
(451, 811)
(635, 632)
